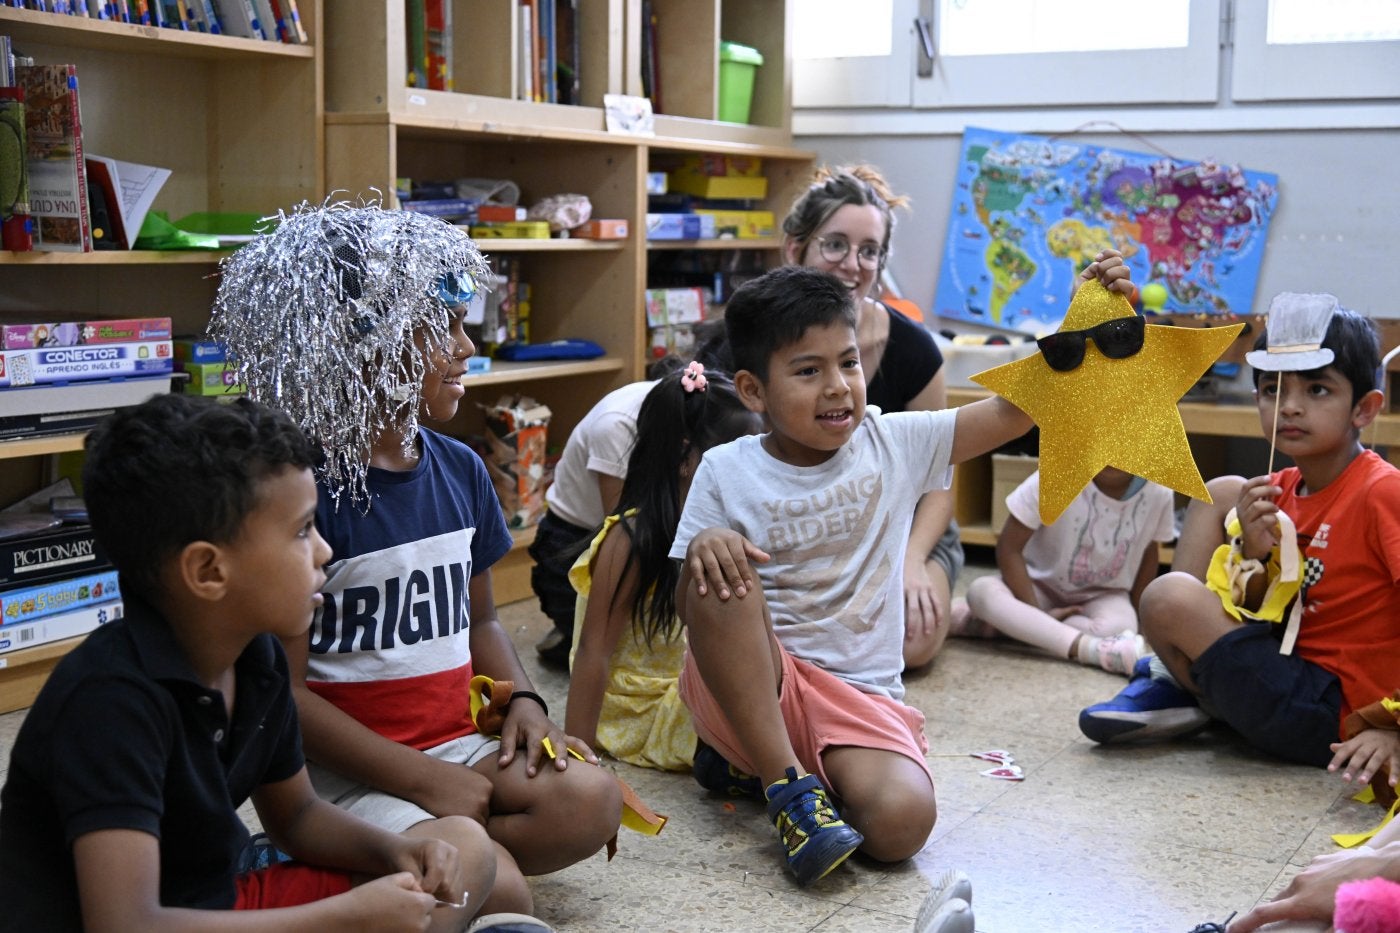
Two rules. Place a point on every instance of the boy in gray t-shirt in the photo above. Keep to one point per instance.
(801, 672)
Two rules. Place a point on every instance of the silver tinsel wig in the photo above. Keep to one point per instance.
(320, 317)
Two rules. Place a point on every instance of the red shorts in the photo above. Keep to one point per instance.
(820, 710)
(288, 885)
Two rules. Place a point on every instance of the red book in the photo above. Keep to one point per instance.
(58, 198)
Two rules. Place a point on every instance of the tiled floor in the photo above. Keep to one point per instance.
(1128, 839)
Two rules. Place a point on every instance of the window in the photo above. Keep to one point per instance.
(1006, 53)
(1303, 50)
(1066, 53)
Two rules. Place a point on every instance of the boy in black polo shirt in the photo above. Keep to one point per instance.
(119, 812)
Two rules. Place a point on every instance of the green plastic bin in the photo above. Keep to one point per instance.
(738, 66)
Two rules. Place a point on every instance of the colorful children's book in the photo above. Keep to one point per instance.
(26, 604)
(438, 16)
(58, 627)
(416, 29)
(57, 174)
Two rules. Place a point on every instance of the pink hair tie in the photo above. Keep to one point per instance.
(693, 377)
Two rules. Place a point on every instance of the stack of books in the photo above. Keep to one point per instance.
(58, 378)
(55, 581)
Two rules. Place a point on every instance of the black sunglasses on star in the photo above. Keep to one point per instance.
(1116, 339)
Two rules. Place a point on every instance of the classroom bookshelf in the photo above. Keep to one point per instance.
(239, 123)
(378, 130)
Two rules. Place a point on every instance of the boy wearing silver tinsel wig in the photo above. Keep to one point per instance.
(350, 319)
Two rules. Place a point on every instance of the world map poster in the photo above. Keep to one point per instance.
(1029, 212)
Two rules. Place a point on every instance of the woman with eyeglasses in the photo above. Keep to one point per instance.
(842, 224)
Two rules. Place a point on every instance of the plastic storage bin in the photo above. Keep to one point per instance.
(738, 65)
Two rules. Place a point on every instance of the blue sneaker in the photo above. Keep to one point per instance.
(1146, 709)
(815, 839)
(713, 772)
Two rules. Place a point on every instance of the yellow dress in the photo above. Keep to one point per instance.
(642, 720)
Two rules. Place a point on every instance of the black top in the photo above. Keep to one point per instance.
(123, 736)
(910, 360)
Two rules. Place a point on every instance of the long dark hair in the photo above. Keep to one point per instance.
(672, 425)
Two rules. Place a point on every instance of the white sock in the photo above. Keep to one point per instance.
(1159, 670)
(1088, 651)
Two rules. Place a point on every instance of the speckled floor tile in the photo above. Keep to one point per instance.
(1225, 799)
(631, 894)
(1045, 878)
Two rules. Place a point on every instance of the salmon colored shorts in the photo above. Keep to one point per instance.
(288, 885)
(821, 712)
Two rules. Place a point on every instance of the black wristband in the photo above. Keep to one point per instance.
(530, 695)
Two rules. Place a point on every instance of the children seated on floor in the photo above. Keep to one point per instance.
(351, 319)
(628, 643)
(793, 543)
(1071, 588)
(119, 810)
(1282, 617)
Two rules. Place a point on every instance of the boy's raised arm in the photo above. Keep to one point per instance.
(985, 425)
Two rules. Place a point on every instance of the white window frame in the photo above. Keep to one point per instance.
(1311, 71)
(1185, 75)
(865, 81)
(1141, 76)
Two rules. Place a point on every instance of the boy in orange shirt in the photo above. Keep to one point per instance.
(1285, 687)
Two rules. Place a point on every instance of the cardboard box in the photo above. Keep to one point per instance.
(83, 333)
(673, 226)
(745, 225)
(212, 379)
(516, 433)
(1008, 472)
(733, 166)
(670, 306)
(729, 187)
(515, 230)
(601, 230)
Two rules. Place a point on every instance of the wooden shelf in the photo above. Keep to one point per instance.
(115, 257)
(551, 245)
(23, 671)
(39, 446)
(1223, 419)
(76, 32)
(507, 373)
(763, 243)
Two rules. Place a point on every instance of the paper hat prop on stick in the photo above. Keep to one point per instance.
(1114, 410)
(1296, 327)
(327, 317)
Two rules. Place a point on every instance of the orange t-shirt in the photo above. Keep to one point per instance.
(1349, 533)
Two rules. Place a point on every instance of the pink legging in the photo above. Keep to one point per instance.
(991, 600)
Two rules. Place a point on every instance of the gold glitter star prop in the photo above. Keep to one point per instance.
(1107, 412)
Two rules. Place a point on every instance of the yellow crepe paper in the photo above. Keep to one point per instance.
(1105, 412)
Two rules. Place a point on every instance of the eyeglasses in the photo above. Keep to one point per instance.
(1116, 339)
(834, 249)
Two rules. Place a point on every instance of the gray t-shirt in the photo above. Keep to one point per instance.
(836, 533)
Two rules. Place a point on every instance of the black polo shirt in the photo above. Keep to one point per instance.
(123, 736)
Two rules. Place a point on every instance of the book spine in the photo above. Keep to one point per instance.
(524, 53)
(84, 209)
(60, 626)
(281, 22)
(83, 333)
(47, 424)
(37, 602)
(416, 25)
(53, 365)
(267, 23)
(211, 17)
(40, 558)
(294, 17)
(438, 23)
